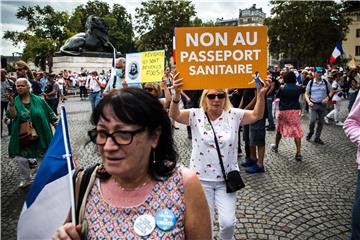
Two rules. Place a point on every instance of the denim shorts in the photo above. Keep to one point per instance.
(257, 133)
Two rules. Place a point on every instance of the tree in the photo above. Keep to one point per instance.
(306, 31)
(156, 20)
(44, 34)
(116, 18)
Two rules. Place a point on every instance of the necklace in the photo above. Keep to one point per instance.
(130, 189)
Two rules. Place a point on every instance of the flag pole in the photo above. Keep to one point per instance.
(68, 161)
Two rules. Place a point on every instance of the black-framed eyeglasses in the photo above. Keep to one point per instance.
(120, 137)
(213, 96)
(149, 89)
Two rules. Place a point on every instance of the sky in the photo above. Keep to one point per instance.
(207, 10)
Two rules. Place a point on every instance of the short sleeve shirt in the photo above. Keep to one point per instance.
(204, 157)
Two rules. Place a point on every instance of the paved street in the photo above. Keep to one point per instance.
(311, 199)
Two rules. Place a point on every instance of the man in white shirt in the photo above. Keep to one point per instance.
(93, 85)
(336, 98)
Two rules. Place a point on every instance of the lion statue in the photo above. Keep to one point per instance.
(95, 39)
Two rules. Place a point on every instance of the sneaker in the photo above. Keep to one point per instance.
(33, 163)
(308, 137)
(339, 123)
(248, 162)
(274, 148)
(24, 183)
(326, 119)
(255, 169)
(319, 141)
(298, 157)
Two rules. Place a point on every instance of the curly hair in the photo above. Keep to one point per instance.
(137, 106)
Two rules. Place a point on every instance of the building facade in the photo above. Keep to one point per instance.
(247, 17)
(351, 45)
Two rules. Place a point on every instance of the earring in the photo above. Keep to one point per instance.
(153, 155)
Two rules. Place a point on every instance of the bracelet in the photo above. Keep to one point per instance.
(176, 102)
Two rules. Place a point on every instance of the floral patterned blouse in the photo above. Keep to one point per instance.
(204, 157)
(112, 222)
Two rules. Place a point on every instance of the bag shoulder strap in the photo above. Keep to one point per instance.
(217, 148)
(83, 177)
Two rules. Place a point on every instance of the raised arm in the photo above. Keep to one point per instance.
(251, 116)
(197, 215)
(181, 116)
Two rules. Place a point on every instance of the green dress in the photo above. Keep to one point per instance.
(41, 116)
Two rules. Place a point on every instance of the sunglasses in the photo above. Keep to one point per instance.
(149, 89)
(19, 69)
(213, 96)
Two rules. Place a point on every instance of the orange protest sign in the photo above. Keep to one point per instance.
(221, 57)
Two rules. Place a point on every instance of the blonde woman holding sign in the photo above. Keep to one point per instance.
(216, 115)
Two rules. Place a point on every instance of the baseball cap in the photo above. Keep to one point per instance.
(319, 70)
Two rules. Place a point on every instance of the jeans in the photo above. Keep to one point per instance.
(355, 223)
(270, 116)
(53, 103)
(225, 204)
(335, 113)
(24, 168)
(94, 99)
(318, 111)
(83, 93)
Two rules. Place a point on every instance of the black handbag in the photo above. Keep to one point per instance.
(233, 180)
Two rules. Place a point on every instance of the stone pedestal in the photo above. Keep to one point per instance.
(95, 61)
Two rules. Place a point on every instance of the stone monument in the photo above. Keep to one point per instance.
(90, 50)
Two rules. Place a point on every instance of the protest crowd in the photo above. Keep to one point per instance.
(286, 95)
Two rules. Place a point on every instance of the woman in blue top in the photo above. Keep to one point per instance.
(288, 122)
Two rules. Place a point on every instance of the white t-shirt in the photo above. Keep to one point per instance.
(204, 157)
(335, 86)
(61, 83)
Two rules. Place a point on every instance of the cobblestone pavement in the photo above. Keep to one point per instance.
(311, 199)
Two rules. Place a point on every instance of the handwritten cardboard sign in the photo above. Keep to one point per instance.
(144, 67)
(221, 57)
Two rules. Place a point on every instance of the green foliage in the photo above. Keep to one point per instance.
(156, 20)
(197, 22)
(116, 18)
(306, 31)
(44, 34)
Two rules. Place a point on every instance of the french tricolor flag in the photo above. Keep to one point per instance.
(336, 53)
(51, 195)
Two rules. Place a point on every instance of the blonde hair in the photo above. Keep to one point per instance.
(156, 88)
(203, 103)
(23, 64)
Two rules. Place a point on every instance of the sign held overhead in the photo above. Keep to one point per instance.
(221, 57)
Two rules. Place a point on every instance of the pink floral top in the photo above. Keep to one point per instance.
(204, 157)
(111, 222)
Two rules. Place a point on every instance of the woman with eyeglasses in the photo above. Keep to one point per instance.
(215, 107)
(138, 192)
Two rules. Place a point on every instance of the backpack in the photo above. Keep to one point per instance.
(326, 85)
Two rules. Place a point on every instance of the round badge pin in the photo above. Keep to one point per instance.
(144, 225)
(165, 219)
